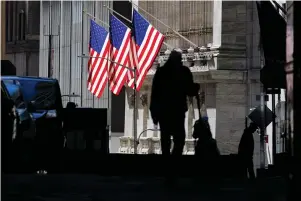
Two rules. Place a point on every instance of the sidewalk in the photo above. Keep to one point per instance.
(93, 187)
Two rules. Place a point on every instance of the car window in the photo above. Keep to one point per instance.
(6, 105)
(14, 89)
(43, 93)
(4, 91)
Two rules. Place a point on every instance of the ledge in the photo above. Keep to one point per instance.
(22, 46)
(213, 76)
(200, 59)
(228, 75)
(202, 62)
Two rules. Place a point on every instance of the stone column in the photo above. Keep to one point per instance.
(231, 87)
(230, 109)
(145, 140)
(191, 116)
(217, 23)
(233, 38)
(144, 103)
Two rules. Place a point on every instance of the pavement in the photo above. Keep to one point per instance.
(73, 187)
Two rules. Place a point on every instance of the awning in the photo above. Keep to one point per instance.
(273, 41)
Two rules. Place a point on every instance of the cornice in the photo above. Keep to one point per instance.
(200, 59)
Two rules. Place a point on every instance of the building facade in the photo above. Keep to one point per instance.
(227, 66)
(226, 63)
(22, 35)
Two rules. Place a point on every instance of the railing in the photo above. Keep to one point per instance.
(150, 145)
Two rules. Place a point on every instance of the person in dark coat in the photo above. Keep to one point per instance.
(172, 83)
(206, 146)
(246, 150)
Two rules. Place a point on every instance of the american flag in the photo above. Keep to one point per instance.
(148, 43)
(133, 62)
(121, 40)
(98, 66)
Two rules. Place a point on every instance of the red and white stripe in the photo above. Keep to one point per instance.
(133, 62)
(98, 68)
(118, 74)
(147, 53)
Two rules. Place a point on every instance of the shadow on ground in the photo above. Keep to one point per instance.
(75, 187)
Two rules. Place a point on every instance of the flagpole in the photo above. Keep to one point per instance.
(95, 18)
(135, 111)
(180, 35)
(85, 56)
(109, 105)
(110, 9)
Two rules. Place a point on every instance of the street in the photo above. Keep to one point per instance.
(93, 187)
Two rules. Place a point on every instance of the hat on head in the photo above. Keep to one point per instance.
(253, 125)
(205, 118)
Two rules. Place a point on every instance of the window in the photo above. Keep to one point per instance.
(9, 20)
(15, 93)
(15, 20)
(4, 92)
(22, 25)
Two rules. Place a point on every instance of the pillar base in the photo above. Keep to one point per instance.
(145, 145)
(124, 145)
(189, 147)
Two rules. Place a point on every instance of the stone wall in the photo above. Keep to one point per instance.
(193, 19)
(239, 60)
(233, 35)
(230, 117)
(23, 52)
(230, 109)
(239, 36)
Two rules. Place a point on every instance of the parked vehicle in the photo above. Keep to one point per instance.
(8, 126)
(25, 126)
(9, 117)
(43, 97)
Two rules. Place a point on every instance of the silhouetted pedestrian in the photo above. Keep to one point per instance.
(246, 151)
(172, 84)
(207, 152)
(206, 147)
